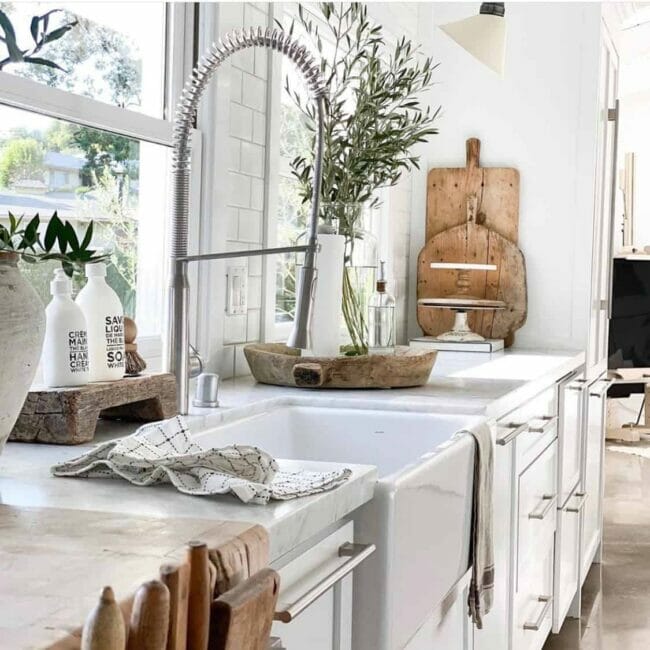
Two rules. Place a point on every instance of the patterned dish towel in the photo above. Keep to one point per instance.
(163, 452)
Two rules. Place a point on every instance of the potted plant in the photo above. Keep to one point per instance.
(374, 117)
(22, 315)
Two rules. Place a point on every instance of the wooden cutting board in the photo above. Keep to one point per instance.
(474, 243)
(497, 190)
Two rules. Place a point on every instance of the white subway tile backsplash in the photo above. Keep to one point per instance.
(231, 16)
(254, 16)
(232, 223)
(239, 188)
(259, 128)
(245, 59)
(253, 92)
(235, 84)
(241, 121)
(261, 63)
(252, 159)
(234, 154)
(255, 265)
(257, 194)
(241, 365)
(250, 226)
(253, 332)
(234, 328)
(254, 292)
(226, 362)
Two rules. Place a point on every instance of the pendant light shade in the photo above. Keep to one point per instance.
(483, 36)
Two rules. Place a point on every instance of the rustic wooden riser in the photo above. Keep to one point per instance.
(68, 416)
(275, 363)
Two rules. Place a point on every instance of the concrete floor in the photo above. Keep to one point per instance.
(616, 595)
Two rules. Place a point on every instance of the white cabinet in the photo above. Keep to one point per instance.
(566, 580)
(604, 202)
(593, 472)
(316, 594)
(571, 396)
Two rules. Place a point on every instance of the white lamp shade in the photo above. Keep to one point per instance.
(483, 36)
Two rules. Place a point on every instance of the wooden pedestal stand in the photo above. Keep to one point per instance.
(68, 416)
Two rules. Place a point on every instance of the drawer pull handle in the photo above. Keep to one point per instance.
(576, 509)
(547, 600)
(549, 423)
(549, 505)
(515, 430)
(578, 384)
(603, 391)
(357, 554)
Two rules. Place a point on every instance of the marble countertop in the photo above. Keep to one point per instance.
(463, 383)
(25, 481)
(474, 383)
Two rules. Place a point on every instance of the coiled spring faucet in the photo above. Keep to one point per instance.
(177, 326)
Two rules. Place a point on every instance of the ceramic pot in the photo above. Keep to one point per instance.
(22, 328)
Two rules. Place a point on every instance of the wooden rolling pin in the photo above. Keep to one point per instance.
(200, 596)
(149, 617)
(104, 627)
(177, 580)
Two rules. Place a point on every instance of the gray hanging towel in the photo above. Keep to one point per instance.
(164, 452)
(481, 588)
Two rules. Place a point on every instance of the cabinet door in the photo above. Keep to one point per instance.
(327, 623)
(593, 471)
(604, 207)
(567, 558)
(570, 437)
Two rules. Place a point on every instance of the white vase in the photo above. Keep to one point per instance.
(22, 328)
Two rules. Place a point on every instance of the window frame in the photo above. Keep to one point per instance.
(34, 97)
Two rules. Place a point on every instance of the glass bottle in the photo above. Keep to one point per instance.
(381, 317)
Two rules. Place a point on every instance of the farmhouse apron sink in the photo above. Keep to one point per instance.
(420, 515)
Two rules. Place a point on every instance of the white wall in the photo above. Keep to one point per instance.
(540, 119)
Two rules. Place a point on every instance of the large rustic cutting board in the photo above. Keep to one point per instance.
(497, 190)
(474, 243)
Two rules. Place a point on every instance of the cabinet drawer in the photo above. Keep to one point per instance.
(534, 602)
(536, 510)
(531, 427)
(567, 557)
(315, 600)
(570, 436)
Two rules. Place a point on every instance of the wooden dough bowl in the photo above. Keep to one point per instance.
(277, 364)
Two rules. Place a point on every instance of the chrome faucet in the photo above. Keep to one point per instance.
(177, 343)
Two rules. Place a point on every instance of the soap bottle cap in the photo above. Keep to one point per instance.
(61, 284)
(381, 277)
(96, 270)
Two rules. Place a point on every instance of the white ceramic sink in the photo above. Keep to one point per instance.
(419, 517)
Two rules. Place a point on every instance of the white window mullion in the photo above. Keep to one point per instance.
(35, 97)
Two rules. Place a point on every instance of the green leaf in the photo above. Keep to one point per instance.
(71, 237)
(87, 236)
(40, 61)
(15, 53)
(33, 28)
(57, 33)
(53, 232)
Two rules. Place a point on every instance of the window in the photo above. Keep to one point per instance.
(91, 143)
(104, 56)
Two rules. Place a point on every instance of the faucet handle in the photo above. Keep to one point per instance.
(207, 390)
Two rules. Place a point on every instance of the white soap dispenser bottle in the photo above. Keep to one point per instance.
(105, 319)
(65, 349)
